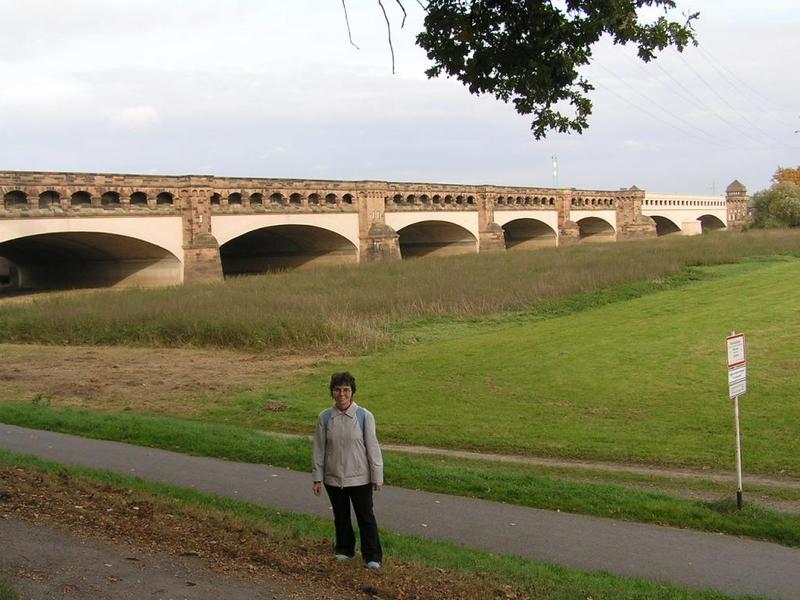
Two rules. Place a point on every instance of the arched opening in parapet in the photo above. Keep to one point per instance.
(110, 200)
(80, 200)
(665, 226)
(594, 229)
(49, 199)
(68, 260)
(710, 223)
(435, 238)
(283, 247)
(528, 234)
(15, 199)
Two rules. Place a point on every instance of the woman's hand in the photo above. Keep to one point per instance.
(377, 487)
(317, 488)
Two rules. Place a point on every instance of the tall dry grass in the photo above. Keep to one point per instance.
(358, 307)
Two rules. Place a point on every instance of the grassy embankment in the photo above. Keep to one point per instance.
(7, 591)
(359, 309)
(517, 575)
(641, 378)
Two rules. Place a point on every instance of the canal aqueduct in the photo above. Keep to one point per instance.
(89, 230)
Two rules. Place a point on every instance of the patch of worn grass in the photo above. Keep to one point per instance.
(515, 484)
(542, 581)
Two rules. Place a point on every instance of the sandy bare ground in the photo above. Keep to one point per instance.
(114, 377)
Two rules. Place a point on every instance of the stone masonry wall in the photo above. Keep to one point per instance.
(197, 197)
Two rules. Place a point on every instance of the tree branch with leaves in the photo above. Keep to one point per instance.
(529, 52)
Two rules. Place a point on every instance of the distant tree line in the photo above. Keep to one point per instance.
(779, 205)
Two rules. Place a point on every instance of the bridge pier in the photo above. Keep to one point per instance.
(201, 258)
(491, 237)
(377, 241)
(631, 223)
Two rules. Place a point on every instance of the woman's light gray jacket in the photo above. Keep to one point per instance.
(344, 455)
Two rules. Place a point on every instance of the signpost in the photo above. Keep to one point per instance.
(737, 385)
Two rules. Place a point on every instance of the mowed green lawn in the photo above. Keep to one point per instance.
(636, 381)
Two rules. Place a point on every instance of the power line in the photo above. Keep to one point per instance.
(710, 137)
(706, 54)
(721, 69)
(667, 123)
(690, 96)
(693, 98)
(723, 99)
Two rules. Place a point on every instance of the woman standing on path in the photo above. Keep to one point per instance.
(347, 459)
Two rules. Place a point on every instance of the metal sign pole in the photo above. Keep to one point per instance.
(737, 385)
(738, 454)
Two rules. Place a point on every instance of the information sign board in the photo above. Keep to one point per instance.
(736, 351)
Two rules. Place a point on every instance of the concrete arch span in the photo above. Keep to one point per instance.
(665, 225)
(283, 247)
(529, 234)
(436, 238)
(710, 223)
(595, 229)
(75, 259)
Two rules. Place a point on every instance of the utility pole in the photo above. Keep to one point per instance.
(555, 171)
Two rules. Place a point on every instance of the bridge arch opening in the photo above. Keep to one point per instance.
(435, 238)
(665, 226)
(284, 247)
(8, 275)
(594, 229)
(710, 223)
(70, 260)
(528, 234)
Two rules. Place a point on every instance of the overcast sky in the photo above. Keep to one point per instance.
(272, 88)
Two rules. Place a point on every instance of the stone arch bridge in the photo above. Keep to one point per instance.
(89, 230)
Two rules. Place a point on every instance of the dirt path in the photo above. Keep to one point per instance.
(51, 562)
(69, 537)
(669, 473)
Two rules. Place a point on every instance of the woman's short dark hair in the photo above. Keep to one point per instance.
(343, 379)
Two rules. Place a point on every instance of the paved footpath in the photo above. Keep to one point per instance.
(686, 558)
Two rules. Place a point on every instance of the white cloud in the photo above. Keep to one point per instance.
(137, 118)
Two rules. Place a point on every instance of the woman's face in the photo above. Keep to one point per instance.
(342, 395)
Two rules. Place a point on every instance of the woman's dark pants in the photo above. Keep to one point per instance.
(361, 497)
